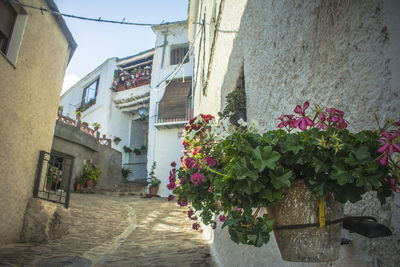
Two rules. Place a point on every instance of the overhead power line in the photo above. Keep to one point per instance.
(42, 9)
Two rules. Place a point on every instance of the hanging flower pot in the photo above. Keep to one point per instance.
(308, 244)
(237, 116)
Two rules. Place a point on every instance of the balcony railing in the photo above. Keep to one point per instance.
(166, 112)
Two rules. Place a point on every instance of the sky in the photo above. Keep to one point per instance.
(99, 41)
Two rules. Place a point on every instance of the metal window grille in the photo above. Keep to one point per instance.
(177, 54)
(53, 178)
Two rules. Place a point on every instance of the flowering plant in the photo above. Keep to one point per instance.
(234, 176)
(129, 79)
(91, 171)
(53, 174)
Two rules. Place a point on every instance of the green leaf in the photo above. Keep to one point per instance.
(264, 158)
(362, 153)
(341, 175)
(282, 180)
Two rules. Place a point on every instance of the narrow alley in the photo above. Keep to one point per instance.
(117, 231)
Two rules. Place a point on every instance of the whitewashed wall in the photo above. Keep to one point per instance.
(160, 139)
(344, 54)
(113, 122)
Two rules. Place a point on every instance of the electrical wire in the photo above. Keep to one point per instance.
(172, 75)
(42, 9)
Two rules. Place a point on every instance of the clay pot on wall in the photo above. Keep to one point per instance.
(311, 244)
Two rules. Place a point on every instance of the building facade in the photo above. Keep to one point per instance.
(332, 53)
(112, 96)
(170, 98)
(145, 100)
(31, 75)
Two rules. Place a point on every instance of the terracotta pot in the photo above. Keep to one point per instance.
(116, 142)
(121, 88)
(78, 187)
(51, 186)
(312, 244)
(78, 117)
(96, 128)
(153, 191)
(90, 183)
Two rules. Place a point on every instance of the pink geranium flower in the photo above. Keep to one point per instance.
(388, 148)
(222, 218)
(211, 161)
(197, 178)
(303, 121)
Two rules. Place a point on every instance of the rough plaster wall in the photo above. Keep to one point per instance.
(72, 141)
(332, 53)
(29, 98)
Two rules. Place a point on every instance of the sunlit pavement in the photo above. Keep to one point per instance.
(117, 231)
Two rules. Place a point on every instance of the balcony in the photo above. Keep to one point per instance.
(173, 115)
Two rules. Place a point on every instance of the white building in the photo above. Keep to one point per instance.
(115, 105)
(170, 100)
(344, 54)
(147, 110)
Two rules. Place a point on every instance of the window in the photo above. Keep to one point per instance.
(176, 106)
(7, 21)
(178, 53)
(89, 95)
(13, 19)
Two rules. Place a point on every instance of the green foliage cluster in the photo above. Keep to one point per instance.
(90, 172)
(255, 170)
(125, 172)
(127, 149)
(152, 179)
(235, 101)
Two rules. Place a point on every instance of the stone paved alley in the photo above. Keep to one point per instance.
(119, 231)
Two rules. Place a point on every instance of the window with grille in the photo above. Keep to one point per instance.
(7, 21)
(178, 53)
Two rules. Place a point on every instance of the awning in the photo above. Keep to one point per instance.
(175, 104)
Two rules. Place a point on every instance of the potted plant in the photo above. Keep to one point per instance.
(53, 178)
(235, 108)
(127, 149)
(60, 110)
(143, 149)
(137, 151)
(313, 165)
(91, 173)
(96, 126)
(79, 181)
(125, 172)
(117, 140)
(154, 182)
(78, 114)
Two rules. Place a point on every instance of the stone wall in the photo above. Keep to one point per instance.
(344, 54)
(29, 95)
(72, 141)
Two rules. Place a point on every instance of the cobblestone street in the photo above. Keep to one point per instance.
(118, 231)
